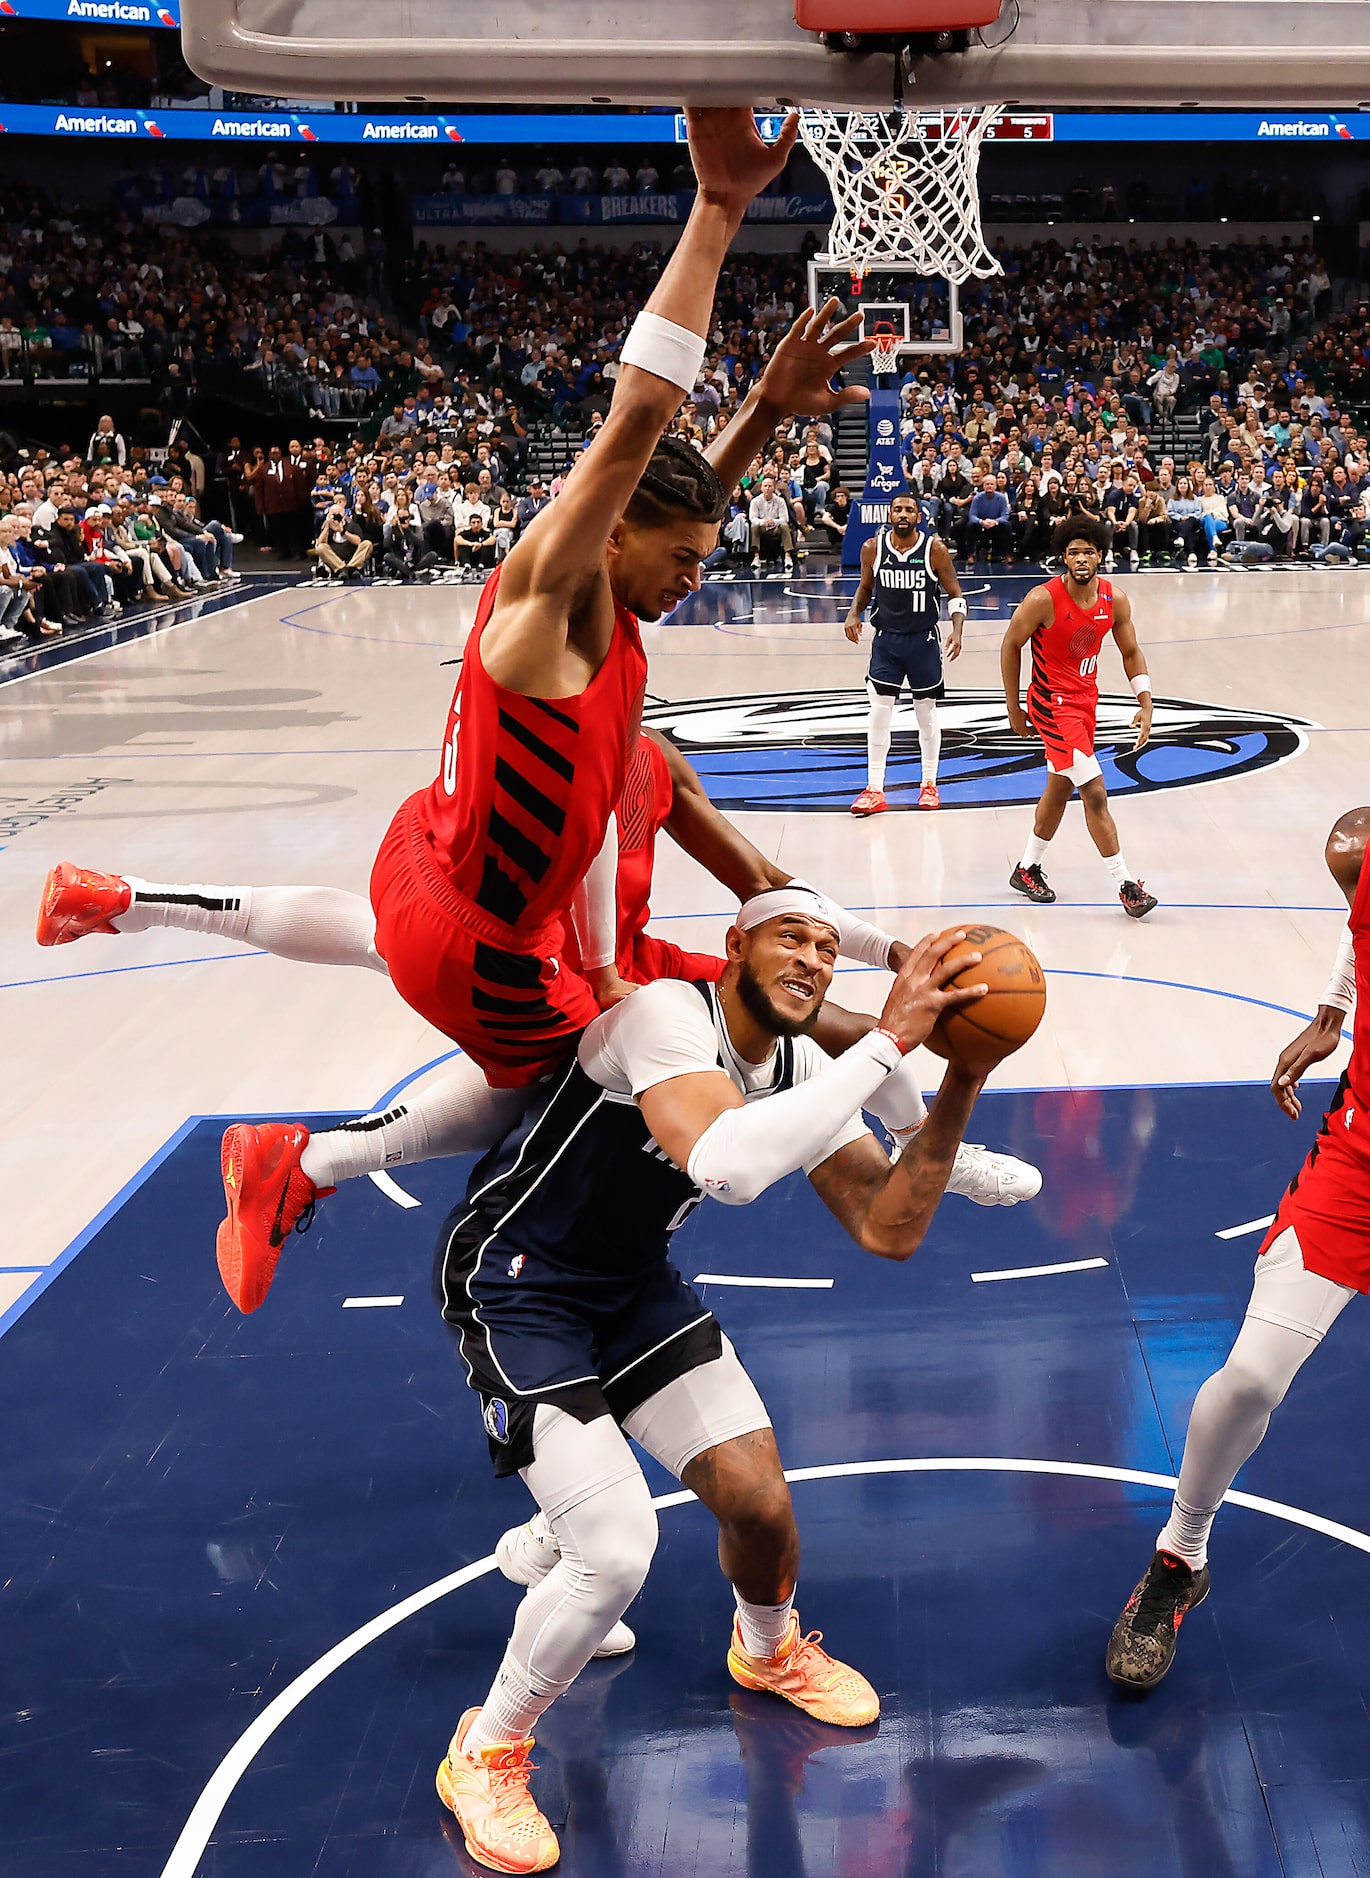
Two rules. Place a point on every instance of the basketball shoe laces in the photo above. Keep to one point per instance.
(509, 1772)
(818, 1668)
(1161, 1600)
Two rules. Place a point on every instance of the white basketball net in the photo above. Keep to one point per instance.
(885, 358)
(905, 186)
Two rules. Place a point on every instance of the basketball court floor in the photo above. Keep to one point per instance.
(247, 1585)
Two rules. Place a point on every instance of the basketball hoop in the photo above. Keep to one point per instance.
(905, 188)
(888, 345)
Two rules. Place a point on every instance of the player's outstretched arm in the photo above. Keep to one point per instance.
(865, 587)
(1032, 611)
(1134, 665)
(563, 550)
(941, 563)
(1317, 1040)
(887, 1210)
(708, 837)
(796, 381)
(735, 1151)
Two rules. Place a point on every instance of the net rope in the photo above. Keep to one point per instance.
(905, 187)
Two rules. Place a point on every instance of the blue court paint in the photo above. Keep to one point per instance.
(113, 971)
(208, 1503)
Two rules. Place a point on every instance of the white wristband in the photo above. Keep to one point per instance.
(1139, 684)
(665, 350)
(956, 604)
(1341, 986)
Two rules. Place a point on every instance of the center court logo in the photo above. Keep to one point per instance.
(805, 751)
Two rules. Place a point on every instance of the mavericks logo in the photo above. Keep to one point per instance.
(497, 1419)
(806, 750)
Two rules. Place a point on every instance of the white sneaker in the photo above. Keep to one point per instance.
(1192, 561)
(525, 1559)
(1109, 562)
(237, 540)
(1133, 556)
(991, 1179)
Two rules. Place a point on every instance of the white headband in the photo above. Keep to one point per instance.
(779, 901)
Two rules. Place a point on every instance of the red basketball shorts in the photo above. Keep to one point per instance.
(1067, 732)
(515, 1013)
(1328, 1201)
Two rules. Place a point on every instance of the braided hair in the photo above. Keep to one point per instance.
(678, 481)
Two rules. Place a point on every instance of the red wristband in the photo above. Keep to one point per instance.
(883, 1030)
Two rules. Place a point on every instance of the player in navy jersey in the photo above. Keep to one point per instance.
(905, 570)
(578, 1332)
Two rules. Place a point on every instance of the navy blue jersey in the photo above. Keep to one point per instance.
(906, 595)
(554, 1269)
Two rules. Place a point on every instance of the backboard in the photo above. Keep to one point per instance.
(1257, 54)
(925, 310)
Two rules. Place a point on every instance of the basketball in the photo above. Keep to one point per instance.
(1002, 1021)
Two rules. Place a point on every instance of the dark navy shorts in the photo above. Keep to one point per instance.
(592, 1343)
(912, 659)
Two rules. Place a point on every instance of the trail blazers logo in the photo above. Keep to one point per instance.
(806, 750)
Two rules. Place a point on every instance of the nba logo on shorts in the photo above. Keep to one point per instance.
(516, 1265)
(497, 1419)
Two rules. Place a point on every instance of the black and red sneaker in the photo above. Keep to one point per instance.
(1142, 1646)
(1137, 902)
(1033, 882)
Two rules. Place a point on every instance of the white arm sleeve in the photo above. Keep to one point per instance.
(1341, 986)
(745, 1150)
(594, 909)
(857, 938)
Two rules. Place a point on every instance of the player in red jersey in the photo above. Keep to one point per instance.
(1315, 1258)
(472, 881)
(1066, 622)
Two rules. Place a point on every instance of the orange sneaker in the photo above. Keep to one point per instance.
(928, 797)
(807, 1676)
(870, 802)
(503, 1827)
(269, 1196)
(77, 901)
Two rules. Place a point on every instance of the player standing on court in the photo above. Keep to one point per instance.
(905, 569)
(1315, 1258)
(1065, 622)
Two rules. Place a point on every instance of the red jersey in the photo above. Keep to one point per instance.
(1328, 1200)
(527, 785)
(1065, 653)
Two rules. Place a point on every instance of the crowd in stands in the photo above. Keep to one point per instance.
(1078, 362)
(87, 533)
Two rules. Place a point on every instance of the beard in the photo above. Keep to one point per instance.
(760, 1009)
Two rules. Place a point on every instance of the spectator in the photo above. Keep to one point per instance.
(770, 529)
(342, 550)
(989, 532)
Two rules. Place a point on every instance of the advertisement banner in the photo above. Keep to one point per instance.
(96, 12)
(884, 478)
(483, 211)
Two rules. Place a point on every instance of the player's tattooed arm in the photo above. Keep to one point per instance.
(887, 1210)
(865, 587)
(1134, 662)
(1032, 611)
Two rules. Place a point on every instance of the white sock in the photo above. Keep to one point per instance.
(878, 734)
(764, 1627)
(929, 736)
(458, 1114)
(510, 1711)
(317, 925)
(1034, 851)
(1185, 1534)
(1117, 867)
